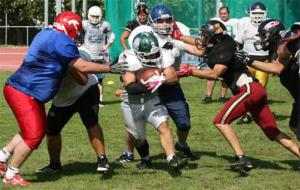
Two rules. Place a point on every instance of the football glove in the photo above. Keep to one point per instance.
(244, 57)
(118, 67)
(154, 82)
(176, 33)
(184, 71)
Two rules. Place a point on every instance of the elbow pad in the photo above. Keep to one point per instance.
(135, 88)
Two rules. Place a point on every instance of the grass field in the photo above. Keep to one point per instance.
(274, 166)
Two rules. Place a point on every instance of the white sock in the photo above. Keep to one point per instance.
(11, 172)
(169, 158)
(4, 155)
(101, 98)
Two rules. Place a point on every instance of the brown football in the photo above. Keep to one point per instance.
(147, 73)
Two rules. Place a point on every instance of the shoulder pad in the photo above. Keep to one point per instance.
(129, 57)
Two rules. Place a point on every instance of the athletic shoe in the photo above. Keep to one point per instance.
(245, 119)
(51, 168)
(103, 165)
(16, 180)
(177, 163)
(186, 151)
(3, 168)
(242, 163)
(222, 99)
(124, 158)
(206, 100)
(144, 164)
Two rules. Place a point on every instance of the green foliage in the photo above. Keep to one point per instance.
(274, 165)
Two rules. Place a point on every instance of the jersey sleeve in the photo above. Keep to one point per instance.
(167, 58)
(66, 50)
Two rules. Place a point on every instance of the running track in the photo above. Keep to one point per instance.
(11, 57)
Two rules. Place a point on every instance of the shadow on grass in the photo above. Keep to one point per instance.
(112, 102)
(270, 101)
(295, 164)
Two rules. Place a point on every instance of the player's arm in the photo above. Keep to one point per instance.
(170, 75)
(131, 85)
(123, 38)
(87, 67)
(212, 74)
(79, 77)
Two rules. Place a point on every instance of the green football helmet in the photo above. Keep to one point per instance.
(145, 46)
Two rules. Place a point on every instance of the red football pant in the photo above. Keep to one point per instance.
(251, 98)
(30, 115)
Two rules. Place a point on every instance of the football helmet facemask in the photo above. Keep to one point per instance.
(269, 32)
(211, 32)
(161, 19)
(257, 12)
(94, 14)
(145, 46)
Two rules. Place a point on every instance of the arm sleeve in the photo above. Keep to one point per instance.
(66, 50)
(135, 88)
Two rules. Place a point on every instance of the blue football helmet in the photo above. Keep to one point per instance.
(161, 19)
(257, 12)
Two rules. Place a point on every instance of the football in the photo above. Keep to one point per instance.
(148, 72)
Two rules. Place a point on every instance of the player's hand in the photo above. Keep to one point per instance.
(176, 33)
(244, 57)
(154, 82)
(184, 71)
(118, 67)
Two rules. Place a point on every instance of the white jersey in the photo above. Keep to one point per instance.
(95, 36)
(231, 25)
(70, 90)
(246, 35)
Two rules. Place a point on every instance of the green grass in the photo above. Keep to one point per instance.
(274, 165)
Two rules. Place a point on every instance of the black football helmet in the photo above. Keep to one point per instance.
(212, 32)
(269, 32)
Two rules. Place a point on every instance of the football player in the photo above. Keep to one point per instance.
(248, 94)
(143, 104)
(70, 99)
(246, 36)
(285, 52)
(98, 37)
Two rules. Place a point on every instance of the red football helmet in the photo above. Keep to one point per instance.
(69, 23)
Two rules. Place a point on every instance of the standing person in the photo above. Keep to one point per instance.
(231, 29)
(283, 50)
(245, 37)
(98, 37)
(52, 54)
(70, 99)
(142, 13)
(248, 94)
(143, 104)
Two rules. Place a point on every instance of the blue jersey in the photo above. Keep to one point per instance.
(45, 65)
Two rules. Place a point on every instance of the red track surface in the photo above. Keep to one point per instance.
(11, 58)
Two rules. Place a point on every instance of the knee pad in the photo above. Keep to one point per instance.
(184, 126)
(272, 133)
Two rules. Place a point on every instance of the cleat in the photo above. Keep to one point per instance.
(51, 168)
(186, 151)
(103, 165)
(242, 163)
(245, 119)
(16, 180)
(3, 169)
(206, 100)
(222, 99)
(144, 164)
(124, 158)
(176, 163)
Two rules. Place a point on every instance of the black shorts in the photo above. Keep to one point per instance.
(87, 106)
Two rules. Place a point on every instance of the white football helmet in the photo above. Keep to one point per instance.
(257, 12)
(95, 14)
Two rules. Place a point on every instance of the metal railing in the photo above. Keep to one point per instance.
(25, 27)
